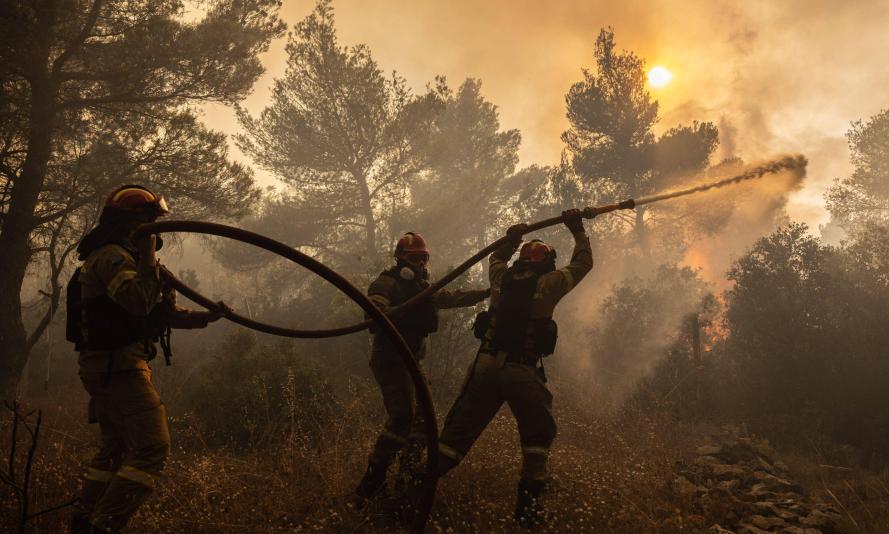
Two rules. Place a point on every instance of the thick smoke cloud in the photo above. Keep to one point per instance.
(776, 77)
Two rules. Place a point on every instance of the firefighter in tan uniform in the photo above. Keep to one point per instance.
(403, 435)
(117, 308)
(516, 333)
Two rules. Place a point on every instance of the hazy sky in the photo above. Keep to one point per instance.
(776, 76)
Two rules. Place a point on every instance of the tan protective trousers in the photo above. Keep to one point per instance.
(404, 431)
(135, 443)
(491, 381)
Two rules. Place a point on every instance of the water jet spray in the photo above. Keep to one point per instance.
(796, 163)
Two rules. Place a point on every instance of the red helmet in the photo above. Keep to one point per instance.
(536, 251)
(136, 199)
(412, 244)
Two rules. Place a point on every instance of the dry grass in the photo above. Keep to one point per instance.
(609, 475)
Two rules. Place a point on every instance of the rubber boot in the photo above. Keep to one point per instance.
(374, 481)
(529, 511)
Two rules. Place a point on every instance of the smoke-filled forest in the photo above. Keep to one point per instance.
(703, 346)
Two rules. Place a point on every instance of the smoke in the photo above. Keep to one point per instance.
(621, 322)
(758, 209)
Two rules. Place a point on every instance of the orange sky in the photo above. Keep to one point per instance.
(777, 77)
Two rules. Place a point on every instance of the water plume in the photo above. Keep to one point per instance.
(795, 163)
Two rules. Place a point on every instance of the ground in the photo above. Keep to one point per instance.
(610, 474)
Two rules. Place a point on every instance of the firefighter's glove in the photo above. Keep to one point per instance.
(224, 309)
(146, 246)
(573, 220)
(516, 231)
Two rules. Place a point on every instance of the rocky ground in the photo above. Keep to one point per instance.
(733, 483)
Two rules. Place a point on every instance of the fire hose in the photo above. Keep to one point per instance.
(424, 505)
(424, 397)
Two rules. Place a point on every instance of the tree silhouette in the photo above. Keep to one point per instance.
(98, 93)
(610, 141)
(345, 136)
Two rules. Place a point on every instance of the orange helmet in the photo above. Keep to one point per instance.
(411, 244)
(136, 199)
(536, 251)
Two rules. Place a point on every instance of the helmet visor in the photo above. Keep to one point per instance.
(416, 258)
(162, 207)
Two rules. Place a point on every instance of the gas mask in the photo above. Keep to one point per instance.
(408, 272)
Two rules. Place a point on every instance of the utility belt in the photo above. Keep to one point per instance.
(544, 333)
(534, 361)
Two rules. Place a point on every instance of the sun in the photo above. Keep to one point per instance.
(659, 77)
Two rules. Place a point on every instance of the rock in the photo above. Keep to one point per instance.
(773, 482)
(708, 450)
(767, 523)
(738, 452)
(721, 506)
(819, 519)
(750, 529)
(717, 529)
(683, 487)
(765, 466)
(771, 509)
(800, 530)
(759, 492)
(729, 485)
(781, 466)
(725, 471)
(707, 460)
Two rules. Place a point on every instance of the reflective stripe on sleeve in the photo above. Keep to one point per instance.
(98, 475)
(534, 449)
(136, 475)
(449, 452)
(119, 279)
(380, 300)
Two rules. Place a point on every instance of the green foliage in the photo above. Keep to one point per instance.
(611, 116)
(455, 204)
(95, 94)
(253, 394)
(612, 147)
(340, 132)
(644, 319)
(864, 196)
(807, 338)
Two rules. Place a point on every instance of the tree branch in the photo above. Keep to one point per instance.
(77, 41)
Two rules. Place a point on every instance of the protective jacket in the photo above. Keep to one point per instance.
(531, 299)
(123, 307)
(391, 289)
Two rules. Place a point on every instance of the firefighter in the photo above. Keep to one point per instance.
(403, 434)
(515, 335)
(117, 309)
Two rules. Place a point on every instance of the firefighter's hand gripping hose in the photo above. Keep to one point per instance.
(788, 163)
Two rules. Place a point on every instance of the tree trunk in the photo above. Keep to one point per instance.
(370, 224)
(642, 235)
(16, 231)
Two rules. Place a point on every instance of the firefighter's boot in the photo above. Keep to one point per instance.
(374, 481)
(529, 511)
